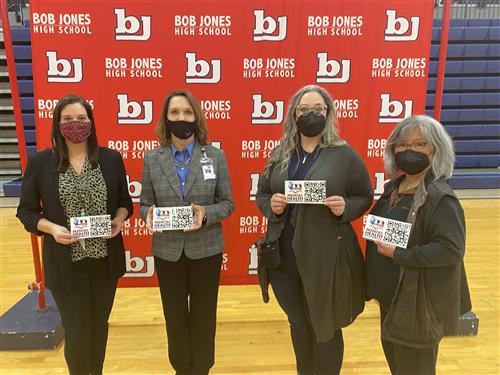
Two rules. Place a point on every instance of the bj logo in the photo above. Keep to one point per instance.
(202, 71)
(332, 71)
(267, 28)
(134, 189)
(399, 29)
(134, 112)
(139, 267)
(266, 112)
(129, 27)
(392, 111)
(63, 70)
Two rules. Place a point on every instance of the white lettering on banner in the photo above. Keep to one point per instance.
(271, 67)
(332, 71)
(136, 149)
(216, 109)
(45, 107)
(398, 28)
(63, 70)
(266, 27)
(225, 262)
(380, 182)
(403, 67)
(206, 25)
(263, 111)
(136, 67)
(346, 108)
(254, 148)
(376, 147)
(393, 111)
(202, 71)
(252, 260)
(131, 113)
(139, 267)
(134, 189)
(66, 23)
(129, 27)
(334, 26)
(254, 184)
(253, 224)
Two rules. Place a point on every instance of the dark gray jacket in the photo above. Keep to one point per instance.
(432, 291)
(326, 248)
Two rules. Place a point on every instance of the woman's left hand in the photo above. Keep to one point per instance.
(116, 227)
(385, 249)
(336, 204)
(199, 214)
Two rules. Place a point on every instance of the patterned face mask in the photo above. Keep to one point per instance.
(75, 131)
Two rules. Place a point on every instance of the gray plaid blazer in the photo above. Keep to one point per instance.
(161, 187)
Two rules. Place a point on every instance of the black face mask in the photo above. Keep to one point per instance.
(311, 124)
(412, 162)
(181, 129)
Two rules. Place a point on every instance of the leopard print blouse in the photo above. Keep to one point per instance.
(84, 195)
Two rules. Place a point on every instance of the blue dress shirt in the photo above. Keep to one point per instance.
(181, 157)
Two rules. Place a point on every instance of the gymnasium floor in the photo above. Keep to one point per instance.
(253, 338)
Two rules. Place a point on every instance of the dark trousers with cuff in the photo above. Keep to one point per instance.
(405, 360)
(85, 308)
(189, 289)
(312, 357)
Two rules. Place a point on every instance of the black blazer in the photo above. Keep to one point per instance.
(40, 199)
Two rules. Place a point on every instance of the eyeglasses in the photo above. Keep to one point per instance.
(415, 146)
(319, 109)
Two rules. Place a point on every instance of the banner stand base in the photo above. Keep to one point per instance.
(26, 327)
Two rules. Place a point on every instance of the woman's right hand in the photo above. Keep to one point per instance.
(149, 218)
(62, 235)
(278, 203)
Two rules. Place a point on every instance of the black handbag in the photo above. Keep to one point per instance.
(268, 253)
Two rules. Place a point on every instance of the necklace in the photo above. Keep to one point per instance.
(183, 164)
(304, 154)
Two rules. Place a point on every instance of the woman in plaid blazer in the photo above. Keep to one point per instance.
(186, 171)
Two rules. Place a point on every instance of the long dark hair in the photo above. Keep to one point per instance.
(200, 132)
(58, 143)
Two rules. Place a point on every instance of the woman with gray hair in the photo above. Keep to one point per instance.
(319, 282)
(421, 289)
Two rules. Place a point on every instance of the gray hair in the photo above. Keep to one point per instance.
(288, 142)
(434, 133)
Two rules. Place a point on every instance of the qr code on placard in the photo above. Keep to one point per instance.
(314, 191)
(397, 233)
(183, 218)
(100, 226)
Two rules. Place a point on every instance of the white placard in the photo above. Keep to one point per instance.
(172, 218)
(386, 230)
(305, 191)
(91, 226)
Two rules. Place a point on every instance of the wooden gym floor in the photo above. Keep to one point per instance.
(253, 338)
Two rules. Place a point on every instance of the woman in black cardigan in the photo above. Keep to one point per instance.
(78, 178)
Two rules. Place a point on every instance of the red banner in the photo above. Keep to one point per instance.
(243, 61)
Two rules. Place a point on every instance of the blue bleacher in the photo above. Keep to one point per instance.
(471, 99)
(468, 34)
(473, 130)
(467, 84)
(466, 99)
(465, 68)
(468, 51)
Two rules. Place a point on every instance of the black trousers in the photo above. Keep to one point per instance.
(189, 289)
(85, 309)
(312, 357)
(405, 360)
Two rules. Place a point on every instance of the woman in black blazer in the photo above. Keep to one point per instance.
(76, 178)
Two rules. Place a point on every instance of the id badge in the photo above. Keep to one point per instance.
(208, 171)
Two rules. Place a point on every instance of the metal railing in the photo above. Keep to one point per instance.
(469, 9)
